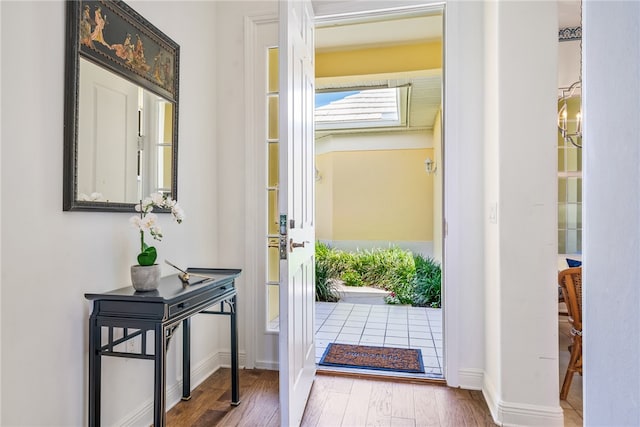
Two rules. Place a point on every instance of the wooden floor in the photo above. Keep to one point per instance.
(343, 401)
(334, 401)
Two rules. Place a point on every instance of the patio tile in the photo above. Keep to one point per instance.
(397, 333)
(351, 330)
(376, 325)
(322, 343)
(326, 335)
(382, 325)
(376, 332)
(334, 322)
(430, 362)
(416, 342)
(377, 319)
(420, 334)
(418, 322)
(396, 341)
(330, 328)
(371, 340)
(354, 324)
(428, 352)
(396, 326)
(348, 338)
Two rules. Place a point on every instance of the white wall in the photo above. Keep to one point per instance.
(568, 62)
(611, 210)
(520, 203)
(50, 258)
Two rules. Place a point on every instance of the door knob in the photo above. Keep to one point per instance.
(293, 245)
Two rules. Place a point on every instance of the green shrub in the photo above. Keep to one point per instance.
(352, 278)
(428, 282)
(410, 279)
(325, 289)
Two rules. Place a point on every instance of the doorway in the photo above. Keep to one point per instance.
(261, 189)
(373, 172)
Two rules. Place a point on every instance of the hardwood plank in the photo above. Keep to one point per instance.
(316, 402)
(451, 405)
(425, 406)
(358, 404)
(333, 410)
(403, 422)
(402, 401)
(334, 402)
(259, 405)
(379, 413)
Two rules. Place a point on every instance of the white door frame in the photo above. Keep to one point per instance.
(255, 213)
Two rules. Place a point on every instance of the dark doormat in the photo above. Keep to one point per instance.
(369, 357)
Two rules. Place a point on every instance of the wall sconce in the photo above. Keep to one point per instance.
(430, 166)
(318, 177)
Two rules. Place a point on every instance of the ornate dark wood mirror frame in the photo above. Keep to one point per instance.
(115, 41)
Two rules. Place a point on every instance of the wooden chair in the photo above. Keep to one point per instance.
(570, 281)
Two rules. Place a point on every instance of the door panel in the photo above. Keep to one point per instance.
(297, 233)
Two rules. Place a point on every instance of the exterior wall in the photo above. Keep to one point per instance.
(376, 195)
(438, 224)
(50, 258)
(611, 272)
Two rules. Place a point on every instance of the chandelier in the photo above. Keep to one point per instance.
(570, 114)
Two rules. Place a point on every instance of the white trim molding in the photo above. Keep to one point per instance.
(471, 379)
(253, 185)
(519, 414)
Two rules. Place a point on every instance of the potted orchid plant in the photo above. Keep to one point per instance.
(146, 273)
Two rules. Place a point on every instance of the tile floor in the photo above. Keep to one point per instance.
(382, 325)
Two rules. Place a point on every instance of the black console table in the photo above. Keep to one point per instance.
(127, 317)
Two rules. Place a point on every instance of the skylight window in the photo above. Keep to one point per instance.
(361, 109)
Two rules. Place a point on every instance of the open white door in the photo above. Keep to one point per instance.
(296, 204)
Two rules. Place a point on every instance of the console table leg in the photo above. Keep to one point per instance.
(235, 376)
(159, 380)
(94, 373)
(186, 359)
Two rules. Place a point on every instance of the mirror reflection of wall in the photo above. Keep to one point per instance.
(124, 138)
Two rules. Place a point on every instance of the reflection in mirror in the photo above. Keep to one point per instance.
(124, 138)
(121, 108)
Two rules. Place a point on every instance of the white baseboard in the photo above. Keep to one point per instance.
(143, 415)
(471, 379)
(267, 364)
(520, 414)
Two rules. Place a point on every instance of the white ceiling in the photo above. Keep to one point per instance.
(379, 33)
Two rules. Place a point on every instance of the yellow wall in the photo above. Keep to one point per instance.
(374, 195)
(389, 59)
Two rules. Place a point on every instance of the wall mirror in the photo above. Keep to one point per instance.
(121, 108)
